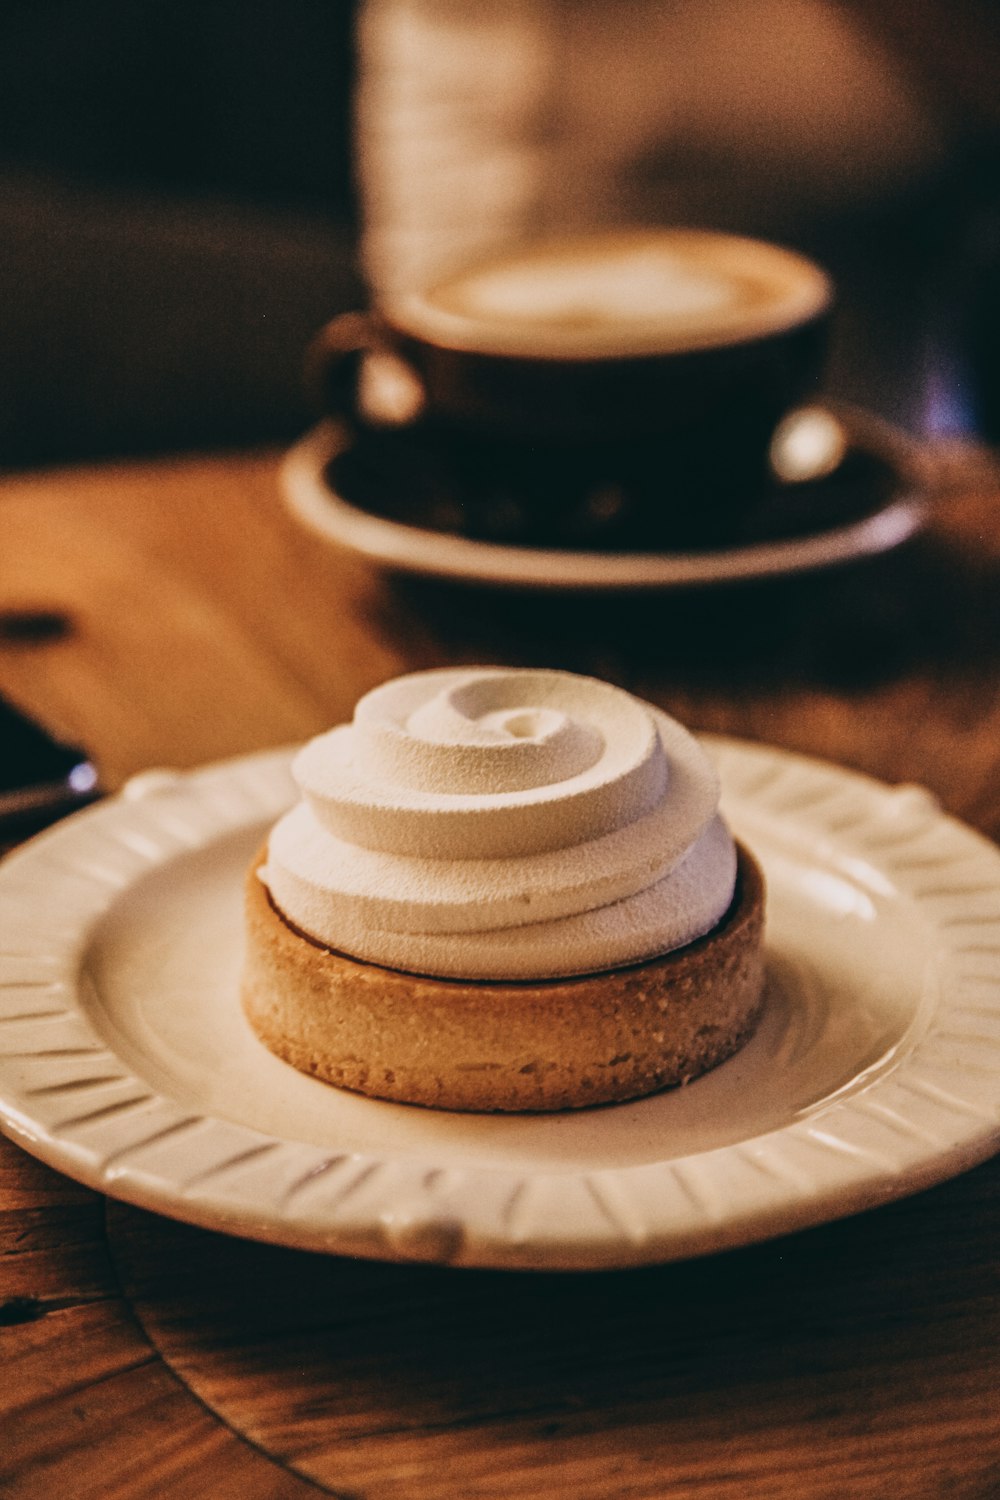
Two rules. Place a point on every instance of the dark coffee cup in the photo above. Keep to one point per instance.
(626, 366)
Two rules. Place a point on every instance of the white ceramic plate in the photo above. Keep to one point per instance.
(127, 1064)
(437, 554)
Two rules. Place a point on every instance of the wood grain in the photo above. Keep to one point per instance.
(88, 1407)
(187, 619)
(201, 622)
(845, 1361)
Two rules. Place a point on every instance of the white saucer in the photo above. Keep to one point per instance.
(125, 1060)
(438, 554)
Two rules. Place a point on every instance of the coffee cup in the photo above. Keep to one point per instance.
(659, 362)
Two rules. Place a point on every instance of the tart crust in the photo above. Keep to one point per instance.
(505, 1045)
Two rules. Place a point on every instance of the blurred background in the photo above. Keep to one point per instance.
(187, 191)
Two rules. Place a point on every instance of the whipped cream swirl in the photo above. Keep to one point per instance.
(485, 823)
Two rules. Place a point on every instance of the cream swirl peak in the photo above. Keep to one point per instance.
(488, 823)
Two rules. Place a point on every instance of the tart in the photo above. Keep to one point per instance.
(474, 1045)
(504, 890)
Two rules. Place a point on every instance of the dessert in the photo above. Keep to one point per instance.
(504, 890)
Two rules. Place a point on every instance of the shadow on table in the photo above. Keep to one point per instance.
(933, 604)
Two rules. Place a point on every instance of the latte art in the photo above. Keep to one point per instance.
(623, 284)
(503, 824)
(641, 292)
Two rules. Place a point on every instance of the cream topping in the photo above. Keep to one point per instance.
(487, 823)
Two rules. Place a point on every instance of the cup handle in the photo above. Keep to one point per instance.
(353, 371)
(333, 363)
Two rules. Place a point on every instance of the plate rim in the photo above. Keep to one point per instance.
(415, 550)
(407, 1208)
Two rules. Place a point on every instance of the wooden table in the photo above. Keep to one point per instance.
(170, 613)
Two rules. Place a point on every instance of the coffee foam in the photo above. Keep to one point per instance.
(644, 292)
(492, 824)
